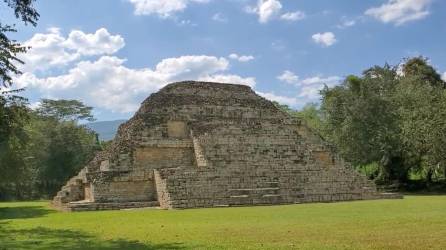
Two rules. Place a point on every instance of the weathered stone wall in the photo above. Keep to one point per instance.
(268, 164)
(205, 144)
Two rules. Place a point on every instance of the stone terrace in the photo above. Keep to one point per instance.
(201, 144)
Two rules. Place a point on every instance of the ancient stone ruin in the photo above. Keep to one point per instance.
(201, 144)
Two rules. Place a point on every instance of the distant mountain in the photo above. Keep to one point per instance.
(106, 129)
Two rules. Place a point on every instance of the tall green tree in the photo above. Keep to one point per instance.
(313, 117)
(59, 145)
(310, 114)
(9, 48)
(13, 110)
(422, 107)
(393, 116)
(14, 115)
(362, 120)
(65, 110)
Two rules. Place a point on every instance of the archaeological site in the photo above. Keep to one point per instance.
(202, 144)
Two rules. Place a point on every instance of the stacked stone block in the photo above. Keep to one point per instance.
(198, 144)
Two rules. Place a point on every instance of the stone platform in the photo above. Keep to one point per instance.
(201, 144)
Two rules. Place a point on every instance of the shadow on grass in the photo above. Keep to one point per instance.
(24, 212)
(45, 238)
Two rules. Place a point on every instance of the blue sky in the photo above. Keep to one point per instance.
(112, 54)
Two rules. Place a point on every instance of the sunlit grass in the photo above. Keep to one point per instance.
(416, 222)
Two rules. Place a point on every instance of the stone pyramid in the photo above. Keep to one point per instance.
(203, 144)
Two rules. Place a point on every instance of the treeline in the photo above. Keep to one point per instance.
(389, 122)
(41, 148)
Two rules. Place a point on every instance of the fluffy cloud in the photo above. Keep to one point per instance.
(101, 42)
(235, 79)
(190, 67)
(310, 87)
(290, 101)
(444, 76)
(241, 58)
(288, 77)
(104, 81)
(268, 10)
(400, 11)
(109, 84)
(162, 8)
(52, 49)
(326, 39)
(293, 16)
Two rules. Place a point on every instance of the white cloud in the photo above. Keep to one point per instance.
(47, 50)
(162, 8)
(109, 84)
(400, 11)
(235, 79)
(345, 23)
(291, 101)
(52, 49)
(326, 39)
(293, 16)
(310, 87)
(101, 42)
(266, 10)
(288, 77)
(190, 67)
(444, 76)
(219, 17)
(241, 58)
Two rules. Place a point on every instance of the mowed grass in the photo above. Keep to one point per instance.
(415, 222)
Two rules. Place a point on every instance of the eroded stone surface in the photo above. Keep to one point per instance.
(198, 144)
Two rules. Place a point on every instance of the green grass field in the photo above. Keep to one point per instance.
(416, 222)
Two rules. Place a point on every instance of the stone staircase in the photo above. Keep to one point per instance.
(264, 193)
(72, 191)
(92, 206)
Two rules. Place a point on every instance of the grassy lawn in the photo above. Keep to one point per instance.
(416, 222)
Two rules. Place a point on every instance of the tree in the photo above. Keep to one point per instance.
(13, 110)
(13, 139)
(422, 105)
(65, 110)
(60, 146)
(24, 10)
(312, 116)
(40, 151)
(59, 150)
(362, 121)
(395, 118)
(418, 68)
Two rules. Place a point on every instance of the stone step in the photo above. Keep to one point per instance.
(92, 206)
(269, 199)
(254, 191)
(271, 195)
(239, 196)
(237, 200)
(222, 205)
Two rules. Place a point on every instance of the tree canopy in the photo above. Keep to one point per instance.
(9, 48)
(65, 110)
(390, 118)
